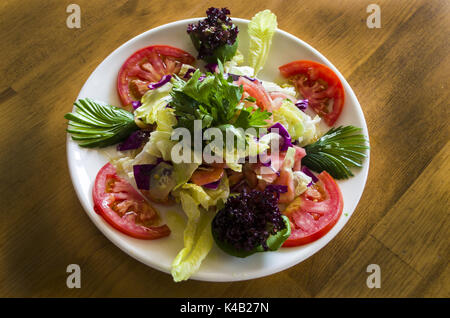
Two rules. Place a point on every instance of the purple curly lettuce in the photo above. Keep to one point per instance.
(212, 33)
(247, 220)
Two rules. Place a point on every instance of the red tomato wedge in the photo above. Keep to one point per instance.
(208, 175)
(315, 212)
(124, 208)
(148, 65)
(320, 85)
(256, 90)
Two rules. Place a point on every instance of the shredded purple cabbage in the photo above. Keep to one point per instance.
(250, 78)
(188, 74)
(286, 138)
(135, 140)
(213, 185)
(142, 175)
(302, 104)
(165, 79)
(309, 173)
(247, 220)
(211, 67)
(136, 104)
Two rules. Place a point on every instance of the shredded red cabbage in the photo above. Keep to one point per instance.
(302, 104)
(136, 104)
(309, 173)
(188, 74)
(142, 175)
(135, 140)
(286, 141)
(212, 67)
(213, 185)
(165, 79)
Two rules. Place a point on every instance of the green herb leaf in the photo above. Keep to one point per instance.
(337, 151)
(215, 100)
(99, 125)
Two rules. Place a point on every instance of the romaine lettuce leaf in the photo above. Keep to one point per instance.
(198, 240)
(261, 30)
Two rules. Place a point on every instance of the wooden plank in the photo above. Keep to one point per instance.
(417, 227)
(350, 280)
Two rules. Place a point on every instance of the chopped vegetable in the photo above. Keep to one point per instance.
(261, 30)
(337, 151)
(301, 127)
(154, 110)
(308, 172)
(135, 140)
(136, 104)
(213, 185)
(286, 138)
(165, 79)
(214, 37)
(99, 125)
(302, 104)
(142, 175)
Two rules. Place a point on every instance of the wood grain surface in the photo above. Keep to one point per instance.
(399, 72)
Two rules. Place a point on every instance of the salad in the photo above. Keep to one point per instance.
(251, 162)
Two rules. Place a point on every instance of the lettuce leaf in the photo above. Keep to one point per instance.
(154, 110)
(198, 240)
(261, 30)
(300, 126)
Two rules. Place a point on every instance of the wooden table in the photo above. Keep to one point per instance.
(399, 72)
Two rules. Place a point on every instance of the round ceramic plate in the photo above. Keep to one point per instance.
(159, 254)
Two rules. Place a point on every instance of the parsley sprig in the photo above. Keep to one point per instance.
(214, 100)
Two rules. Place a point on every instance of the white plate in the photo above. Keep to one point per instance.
(218, 266)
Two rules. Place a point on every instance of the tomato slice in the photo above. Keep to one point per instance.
(207, 175)
(315, 212)
(320, 85)
(124, 208)
(148, 65)
(256, 90)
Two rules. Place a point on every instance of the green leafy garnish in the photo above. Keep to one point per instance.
(337, 151)
(214, 100)
(99, 125)
(261, 29)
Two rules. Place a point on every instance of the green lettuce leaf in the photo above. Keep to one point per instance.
(300, 126)
(261, 30)
(196, 202)
(153, 109)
